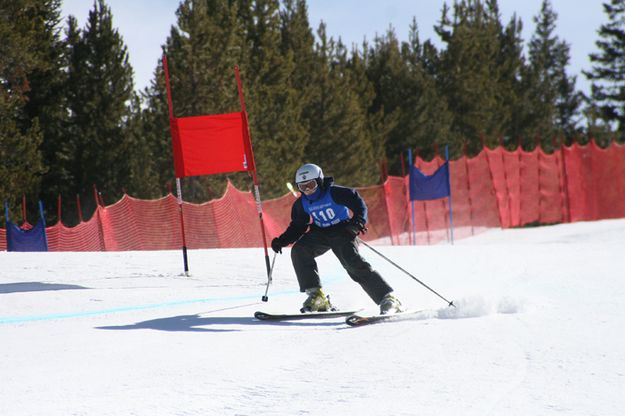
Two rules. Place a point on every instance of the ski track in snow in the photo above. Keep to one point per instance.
(535, 331)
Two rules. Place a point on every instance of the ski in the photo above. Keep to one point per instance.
(361, 320)
(264, 316)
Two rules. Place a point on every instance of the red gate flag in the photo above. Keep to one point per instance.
(218, 143)
(205, 145)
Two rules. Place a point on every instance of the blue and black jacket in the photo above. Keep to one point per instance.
(327, 209)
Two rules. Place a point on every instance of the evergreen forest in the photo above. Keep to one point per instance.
(73, 125)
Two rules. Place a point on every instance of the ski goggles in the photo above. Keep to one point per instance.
(307, 186)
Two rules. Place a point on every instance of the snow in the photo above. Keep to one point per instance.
(538, 330)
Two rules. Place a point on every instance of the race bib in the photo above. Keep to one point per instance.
(325, 212)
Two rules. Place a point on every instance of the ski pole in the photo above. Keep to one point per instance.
(403, 270)
(269, 278)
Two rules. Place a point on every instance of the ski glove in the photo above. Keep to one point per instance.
(356, 226)
(276, 245)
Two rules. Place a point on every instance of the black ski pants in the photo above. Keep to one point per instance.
(345, 247)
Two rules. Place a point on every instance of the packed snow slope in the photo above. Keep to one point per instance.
(538, 330)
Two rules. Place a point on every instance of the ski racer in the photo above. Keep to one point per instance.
(320, 221)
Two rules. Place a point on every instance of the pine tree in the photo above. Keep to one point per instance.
(275, 106)
(596, 128)
(515, 84)
(608, 70)
(143, 155)
(297, 44)
(386, 73)
(471, 76)
(100, 91)
(20, 137)
(339, 134)
(554, 100)
(569, 99)
(46, 99)
(297, 39)
(378, 126)
(152, 126)
(406, 95)
(425, 119)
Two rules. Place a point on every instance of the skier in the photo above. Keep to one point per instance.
(320, 221)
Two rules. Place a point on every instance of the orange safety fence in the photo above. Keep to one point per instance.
(497, 188)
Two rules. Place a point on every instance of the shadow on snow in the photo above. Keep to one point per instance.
(198, 323)
(35, 287)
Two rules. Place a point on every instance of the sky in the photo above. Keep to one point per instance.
(145, 24)
(537, 330)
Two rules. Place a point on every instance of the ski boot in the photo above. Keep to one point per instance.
(317, 301)
(390, 304)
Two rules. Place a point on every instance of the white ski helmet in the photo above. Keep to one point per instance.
(307, 172)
